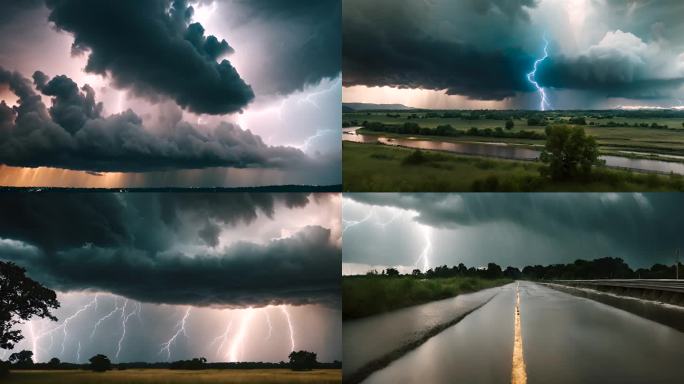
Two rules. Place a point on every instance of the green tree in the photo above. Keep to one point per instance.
(569, 152)
(510, 124)
(302, 361)
(20, 299)
(100, 363)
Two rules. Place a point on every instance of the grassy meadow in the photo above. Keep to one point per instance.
(369, 295)
(380, 168)
(622, 137)
(167, 376)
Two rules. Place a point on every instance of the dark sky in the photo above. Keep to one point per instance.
(253, 259)
(601, 53)
(171, 86)
(509, 229)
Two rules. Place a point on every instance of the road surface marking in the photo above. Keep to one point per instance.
(518, 376)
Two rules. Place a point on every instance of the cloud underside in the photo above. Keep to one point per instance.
(126, 245)
(73, 134)
(646, 226)
(430, 45)
(153, 48)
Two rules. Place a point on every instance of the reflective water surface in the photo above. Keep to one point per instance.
(503, 150)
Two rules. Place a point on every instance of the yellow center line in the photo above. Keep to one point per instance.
(519, 375)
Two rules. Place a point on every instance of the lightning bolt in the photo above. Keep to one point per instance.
(289, 324)
(223, 338)
(237, 345)
(351, 223)
(531, 77)
(105, 317)
(180, 329)
(78, 353)
(270, 325)
(426, 250)
(124, 321)
(65, 324)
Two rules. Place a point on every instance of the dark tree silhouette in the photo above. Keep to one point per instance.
(20, 299)
(392, 272)
(302, 361)
(23, 359)
(54, 363)
(510, 124)
(100, 363)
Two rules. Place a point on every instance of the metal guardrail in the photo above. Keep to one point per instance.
(669, 285)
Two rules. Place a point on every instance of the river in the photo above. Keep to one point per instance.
(506, 151)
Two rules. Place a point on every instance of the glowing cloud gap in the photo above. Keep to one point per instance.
(531, 77)
(180, 329)
(289, 324)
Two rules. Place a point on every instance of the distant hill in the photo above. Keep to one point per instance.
(350, 107)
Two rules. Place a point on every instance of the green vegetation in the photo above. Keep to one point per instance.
(166, 376)
(369, 295)
(381, 168)
(638, 131)
(569, 152)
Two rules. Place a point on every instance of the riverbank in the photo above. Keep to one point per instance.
(381, 168)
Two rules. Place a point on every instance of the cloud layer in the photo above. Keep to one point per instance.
(154, 48)
(73, 134)
(156, 248)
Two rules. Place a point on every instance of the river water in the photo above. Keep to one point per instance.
(506, 151)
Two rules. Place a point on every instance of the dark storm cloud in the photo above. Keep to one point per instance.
(126, 244)
(10, 9)
(72, 134)
(386, 44)
(511, 8)
(152, 47)
(304, 41)
(643, 226)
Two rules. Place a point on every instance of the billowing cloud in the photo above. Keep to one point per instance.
(157, 248)
(154, 48)
(621, 65)
(73, 134)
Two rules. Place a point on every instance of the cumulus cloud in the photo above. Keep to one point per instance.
(73, 134)
(132, 245)
(154, 48)
(620, 64)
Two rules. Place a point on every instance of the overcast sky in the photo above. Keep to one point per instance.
(235, 266)
(428, 230)
(477, 53)
(171, 93)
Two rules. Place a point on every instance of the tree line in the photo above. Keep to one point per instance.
(602, 268)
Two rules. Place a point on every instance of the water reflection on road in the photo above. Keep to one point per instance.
(506, 151)
(566, 340)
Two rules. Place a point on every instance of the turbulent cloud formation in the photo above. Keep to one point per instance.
(484, 49)
(303, 39)
(520, 229)
(399, 51)
(157, 248)
(154, 48)
(73, 134)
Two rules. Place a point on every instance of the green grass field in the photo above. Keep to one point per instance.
(610, 139)
(167, 376)
(379, 168)
(369, 295)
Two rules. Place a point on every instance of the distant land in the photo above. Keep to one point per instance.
(273, 188)
(350, 107)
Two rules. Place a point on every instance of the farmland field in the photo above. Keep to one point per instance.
(167, 376)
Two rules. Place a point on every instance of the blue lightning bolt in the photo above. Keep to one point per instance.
(531, 77)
